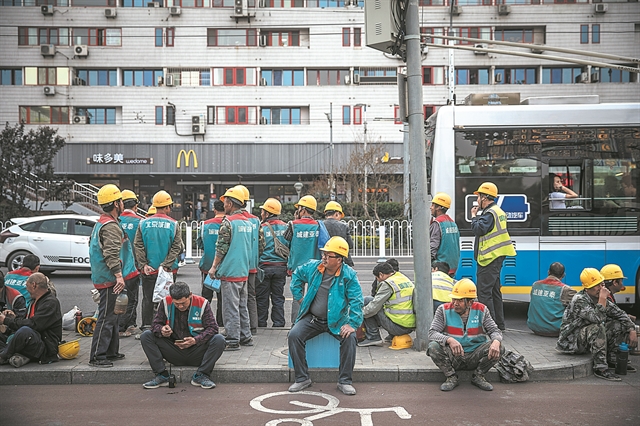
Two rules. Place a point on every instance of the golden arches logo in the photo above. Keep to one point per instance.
(187, 157)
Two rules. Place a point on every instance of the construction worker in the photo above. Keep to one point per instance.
(151, 211)
(129, 221)
(445, 236)
(302, 233)
(231, 266)
(613, 277)
(10, 300)
(17, 279)
(441, 284)
(463, 336)
(274, 264)
(111, 264)
(492, 245)
(158, 243)
(549, 298)
(252, 305)
(207, 243)
(336, 227)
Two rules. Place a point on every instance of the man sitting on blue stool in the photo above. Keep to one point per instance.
(333, 303)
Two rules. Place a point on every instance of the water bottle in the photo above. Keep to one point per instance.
(121, 303)
(622, 357)
(78, 317)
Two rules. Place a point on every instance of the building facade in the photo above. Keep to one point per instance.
(193, 96)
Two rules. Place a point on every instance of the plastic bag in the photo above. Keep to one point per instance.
(211, 283)
(69, 319)
(163, 282)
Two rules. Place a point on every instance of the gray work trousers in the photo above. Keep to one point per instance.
(380, 320)
(252, 305)
(477, 360)
(106, 341)
(234, 310)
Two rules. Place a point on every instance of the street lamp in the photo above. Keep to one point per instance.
(298, 186)
(364, 120)
(330, 118)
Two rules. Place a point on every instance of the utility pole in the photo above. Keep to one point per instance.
(332, 193)
(423, 299)
(406, 176)
(366, 171)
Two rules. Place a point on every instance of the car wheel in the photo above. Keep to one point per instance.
(15, 260)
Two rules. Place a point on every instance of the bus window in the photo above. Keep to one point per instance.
(565, 188)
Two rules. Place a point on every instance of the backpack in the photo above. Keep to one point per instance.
(323, 234)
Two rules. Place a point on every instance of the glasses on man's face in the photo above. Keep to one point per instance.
(327, 256)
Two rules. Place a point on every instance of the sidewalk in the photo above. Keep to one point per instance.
(267, 362)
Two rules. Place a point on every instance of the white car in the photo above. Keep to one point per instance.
(60, 241)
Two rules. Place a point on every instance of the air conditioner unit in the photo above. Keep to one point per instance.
(262, 4)
(347, 80)
(537, 51)
(356, 79)
(160, 80)
(456, 10)
(595, 77)
(168, 80)
(153, 4)
(110, 12)
(263, 40)
(240, 8)
(480, 46)
(263, 81)
(601, 8)
(263, 120)
(81, 50)
(79, 119)
(175, 11)
(46, 9)
(48, 50)
(498, 78)
(198, 124)
(504, 9)
(350, 3)
(49, 90)
(583, 78)
(77, 81)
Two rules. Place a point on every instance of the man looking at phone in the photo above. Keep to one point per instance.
(184, 332)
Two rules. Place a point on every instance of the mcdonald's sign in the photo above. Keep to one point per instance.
(187, 157)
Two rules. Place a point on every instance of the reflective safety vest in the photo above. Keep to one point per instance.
(235, 265)
(255, 236)
(470, 335)
(304, 242)
(158, 232)
(497, 242)
(441, 286)
(209, 235)
(269, 255)
(101, 275)
(198, 305)
(399, 307)
(449, 250)
(11, 295)
(17, 280)
(129, 222)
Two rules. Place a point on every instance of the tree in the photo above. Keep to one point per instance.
(26, 169)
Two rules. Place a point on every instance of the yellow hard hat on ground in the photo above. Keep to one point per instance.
(590, 277)
(86, 326)
(152, 210)
(487, 188)
(337, 245)
(235, 193)
(69, 350)
(245, 192)
(162, 199)
(272, 206)
(612, 272)
(307, 201)
(464, 289)
(442, 199)
(401, 342)
(108, 194)
(333, 206)
(128, 194)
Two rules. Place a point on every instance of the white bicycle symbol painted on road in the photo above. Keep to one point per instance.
(320, 411)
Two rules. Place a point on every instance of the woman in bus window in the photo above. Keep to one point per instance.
(559, 193)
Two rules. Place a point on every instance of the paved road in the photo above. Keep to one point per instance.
(587, 401)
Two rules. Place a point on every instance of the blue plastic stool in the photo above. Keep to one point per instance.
(323, 351)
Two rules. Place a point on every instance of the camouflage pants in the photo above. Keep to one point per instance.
(616, 334)
(448, 363)
(593, 338)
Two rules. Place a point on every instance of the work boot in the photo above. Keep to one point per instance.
(606, 375)
(346, 389)
(298, 386)
(479, 381)
(450, 384)
(18, 360)
(373, 342)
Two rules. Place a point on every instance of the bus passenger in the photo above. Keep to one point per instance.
(559, 193)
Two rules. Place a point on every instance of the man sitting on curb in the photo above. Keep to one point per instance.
(441, 284)
(613, 277)
(391, 308)
(10, 300)
(584, 325)
(332, 303)
(464, 336)
(549, 298)
(37, 336)
(184, 332)
(17, 279)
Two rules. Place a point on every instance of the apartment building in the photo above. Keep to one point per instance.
(194, 96)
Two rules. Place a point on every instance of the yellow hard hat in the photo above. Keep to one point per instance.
(108, 194)
(86, 326)
(272, 205)
(152, 210)
(612, 272)
(69, 350)
(401, 342)
(334, 206)
(235, 193)
(162, 199)
(590, 277)
(245, 192)
(442, 199)
(464, 289)
(487, 188)
(127, 194)
(337, 245)
(307, 201)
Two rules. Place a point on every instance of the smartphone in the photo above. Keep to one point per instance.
(179, 341)
(475, 204)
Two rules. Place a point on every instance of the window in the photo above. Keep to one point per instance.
(427, 31)
(282, 38)
(77, 3)
(472, 76)
(95, 78)
(515, 76)
(397, 119)
(142, 77)
(288, 3)
(333, 77)
(432, 75)
(431, 3)
(235, 115)
(514, 35)
(280, 116)
(357, 37)
(190, 77)
(346, 114)
(211, 115)
(171, 115)
(223, 3)
(584, 34)
(282, 77)
(44, 114)
(10, 77)
(97, 36)
(159, 115)
(164, 37)
(560, 75)
(46, 76)
(140, 3)
(357, 115)
(230, 76)
(189, 3)
(472, 32)
(377, 75)
(231, 37)
(346, 37)
(595, 33)
(609, 75)
(158, 37)
(429, 110)
(30, 36)
(99, 115)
